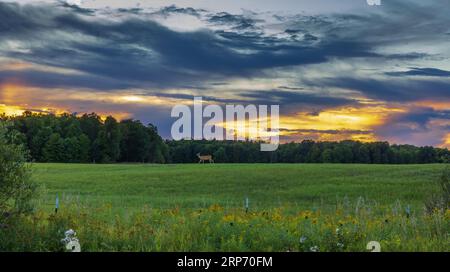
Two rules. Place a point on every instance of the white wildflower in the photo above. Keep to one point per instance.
(314, 249)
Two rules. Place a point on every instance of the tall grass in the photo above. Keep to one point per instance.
(201, 208)
(347, 228)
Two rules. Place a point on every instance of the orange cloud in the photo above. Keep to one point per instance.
(346, 123)
(436, 105)
(16, 111)
(446, 142)
(19, 93)
(339, 123)
(18, 98)
(16, 65)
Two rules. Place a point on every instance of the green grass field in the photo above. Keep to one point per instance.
(304, 186)
(293, 207)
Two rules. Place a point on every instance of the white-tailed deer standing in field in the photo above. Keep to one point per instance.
(205, 158)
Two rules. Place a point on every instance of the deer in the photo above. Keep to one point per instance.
(205, 158)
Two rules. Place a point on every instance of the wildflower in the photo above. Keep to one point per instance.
(338, 231)
(228, 218)
(70, 233)
(302, 239)
(314, 249)
(71, 241)
(215, 208)
(276, 217)
(340, 245)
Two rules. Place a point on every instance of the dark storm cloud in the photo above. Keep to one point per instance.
(291, 88)
(432, 72)
(398, 90)
(398, 22)
(238, 22)
(139, 50)
(268, 98)
(145, 53)
(421, 117)
(19, 20)
(130, 10)
(87, 11)
(286, 98)
(174, 10)
(206, 98)
(43, 79)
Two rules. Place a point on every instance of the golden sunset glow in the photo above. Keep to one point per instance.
(446, 141)
(351, 123)
(123, 98)
(16, 111)
(30, 97)
(8, 93)
(329, 125)
(16, 66)
(340, 118)
(10, 110)
(333, 124)
(253, 129)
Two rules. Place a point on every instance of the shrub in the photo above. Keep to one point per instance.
(440, 202)
(16, 187)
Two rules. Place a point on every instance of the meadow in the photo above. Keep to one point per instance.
(291, 207)
(128, 187)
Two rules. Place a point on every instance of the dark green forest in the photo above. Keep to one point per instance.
(307, 152)
(89, 139)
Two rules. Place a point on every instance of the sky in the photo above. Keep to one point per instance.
(338, 69)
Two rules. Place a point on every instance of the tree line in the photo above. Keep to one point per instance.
(87, 139)
(307, 152)
(90, 139)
